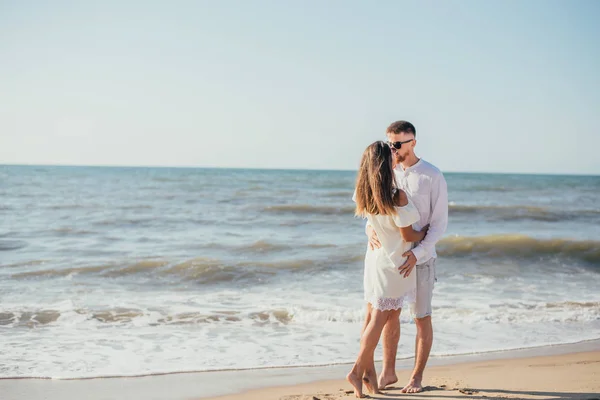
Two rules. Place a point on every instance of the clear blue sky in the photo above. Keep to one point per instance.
(499, 86)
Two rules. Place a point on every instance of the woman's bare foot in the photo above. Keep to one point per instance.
(370, 381)
(386, 380)
(356, 383)
(414, 386)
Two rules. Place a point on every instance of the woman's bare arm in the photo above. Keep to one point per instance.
(400, 198)
(409, 234)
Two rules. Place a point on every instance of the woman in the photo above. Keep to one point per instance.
(391, 213)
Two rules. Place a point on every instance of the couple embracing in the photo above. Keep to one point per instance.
(405, 201)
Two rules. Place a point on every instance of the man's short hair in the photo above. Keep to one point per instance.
(401, 127)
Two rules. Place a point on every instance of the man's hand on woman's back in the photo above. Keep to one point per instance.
(374, 242)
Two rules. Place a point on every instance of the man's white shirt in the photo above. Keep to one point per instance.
(426, 186)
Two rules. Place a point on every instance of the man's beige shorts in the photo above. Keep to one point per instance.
(426, 278)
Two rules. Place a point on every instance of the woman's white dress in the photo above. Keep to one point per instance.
(385, 288)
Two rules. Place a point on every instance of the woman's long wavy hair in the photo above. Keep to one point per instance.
(375, 181)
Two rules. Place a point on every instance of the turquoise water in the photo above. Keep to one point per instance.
(128, 271)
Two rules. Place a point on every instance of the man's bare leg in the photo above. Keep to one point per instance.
(391, 338)
(423, 343)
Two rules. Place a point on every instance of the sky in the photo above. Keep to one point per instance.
(491, 86)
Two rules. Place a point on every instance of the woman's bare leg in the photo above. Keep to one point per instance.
(365, 360)
(370, 371)
(367, 319)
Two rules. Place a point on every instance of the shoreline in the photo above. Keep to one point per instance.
(484, 355)
(237, 384)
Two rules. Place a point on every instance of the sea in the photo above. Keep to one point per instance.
(109, 271)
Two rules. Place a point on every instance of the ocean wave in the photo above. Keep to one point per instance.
(198, 270)
(29, 263)
(253, 188)
(483, 188)
(28, 318)
(167, 179)
(305, 209)
(7, 245)
(520, 212)
(277, 259)
(507, 312)
(340, 194)
(66, 230)
(566, 305)
(499, 313)
(264, 246)
(151, 266)
(61, 272)
(141, 221)
(72, 206)
(519, 246)
(99, 206)
(503, 213)
(575, 304)
(136, 207)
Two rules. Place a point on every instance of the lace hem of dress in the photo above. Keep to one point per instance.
(391, 303)
(387, 304)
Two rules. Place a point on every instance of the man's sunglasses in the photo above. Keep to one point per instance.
(398, 145)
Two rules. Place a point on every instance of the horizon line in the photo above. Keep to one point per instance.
(279, 169)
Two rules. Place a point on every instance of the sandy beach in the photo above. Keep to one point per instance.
(557, 372)
(570, 376)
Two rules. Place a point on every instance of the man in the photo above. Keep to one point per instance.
(427, 188)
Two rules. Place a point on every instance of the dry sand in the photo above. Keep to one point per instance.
(570, 376)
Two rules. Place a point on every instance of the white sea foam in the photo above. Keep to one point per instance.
(111, 332)
(138, 271)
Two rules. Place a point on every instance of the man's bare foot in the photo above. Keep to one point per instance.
(356, 383)
(414, 386)
(386, 380)
(370, 381)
